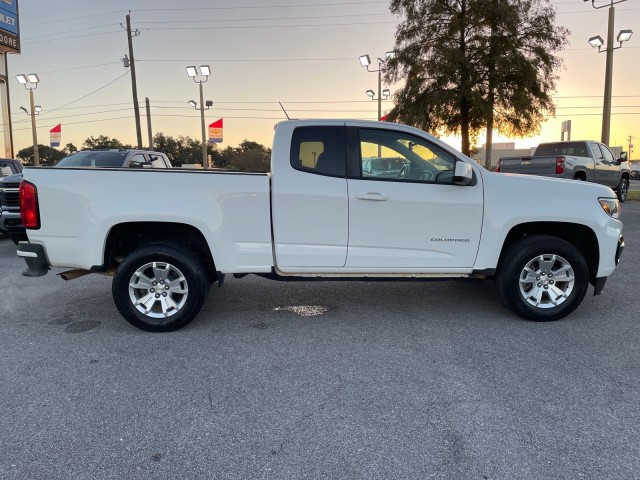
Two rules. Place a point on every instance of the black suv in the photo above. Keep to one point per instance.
(10, 222)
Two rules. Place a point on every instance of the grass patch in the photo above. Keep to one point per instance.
(633, 196)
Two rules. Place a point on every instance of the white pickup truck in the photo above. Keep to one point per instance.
(167, 234)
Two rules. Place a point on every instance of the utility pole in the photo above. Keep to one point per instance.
(6, 107)
(146, 101)
(136, 107)
(630, 149)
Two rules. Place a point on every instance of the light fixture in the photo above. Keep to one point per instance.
(208, 103)
(365, 61)
(386, 92)
(205, 72)
(370, 93)
(390, 54)
(596, 42)
(624, 35)
(30, 82)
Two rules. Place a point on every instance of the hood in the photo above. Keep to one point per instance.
(547, 186)
(11, 179)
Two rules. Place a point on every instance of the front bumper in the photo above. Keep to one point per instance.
(600, 281)
(10, 222)
(34, 255)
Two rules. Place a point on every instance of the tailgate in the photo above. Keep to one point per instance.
(529, 165)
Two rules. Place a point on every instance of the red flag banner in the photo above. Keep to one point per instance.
(215, 132)
(55, 135)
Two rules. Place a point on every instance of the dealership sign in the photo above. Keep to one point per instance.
(9, 27)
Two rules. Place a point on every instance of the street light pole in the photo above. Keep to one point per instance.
(608, 78)
(596, 42)
(205, 72)
(36, 154)
(30, 82)
(365, 61)
(205, 160)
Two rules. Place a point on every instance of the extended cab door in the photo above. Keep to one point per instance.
(413, 216)
(609, 172)
(310, 206)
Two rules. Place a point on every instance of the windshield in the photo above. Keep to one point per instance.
(7, 169)
(93, 159)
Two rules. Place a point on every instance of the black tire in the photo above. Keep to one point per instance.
(165, 310)
(547, 257)
(622, 189)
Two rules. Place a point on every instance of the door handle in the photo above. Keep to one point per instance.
(372, 196)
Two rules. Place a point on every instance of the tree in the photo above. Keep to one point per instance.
(103, 142)
(182, 149)
(47, 155)
(70, 148)
(463, 60)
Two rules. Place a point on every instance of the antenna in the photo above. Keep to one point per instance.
(285, 112)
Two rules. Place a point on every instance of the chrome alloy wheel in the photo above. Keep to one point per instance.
(547, 281)
(158, 290)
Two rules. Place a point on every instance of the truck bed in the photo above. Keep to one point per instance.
(80, 206)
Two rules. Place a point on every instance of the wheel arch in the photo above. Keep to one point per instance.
(123, 238)
(580, 174)
(581, 236)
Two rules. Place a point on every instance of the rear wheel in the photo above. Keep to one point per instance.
(160, 288)
(542, 278)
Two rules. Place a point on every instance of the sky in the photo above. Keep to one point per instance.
(261, 52)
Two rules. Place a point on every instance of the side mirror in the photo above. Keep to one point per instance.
(623, 156)
(463, 174)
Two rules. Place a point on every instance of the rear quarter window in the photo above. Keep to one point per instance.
(319, 150)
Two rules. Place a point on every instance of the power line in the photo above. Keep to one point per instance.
(88, 94)
(69, 38)
(264, 19)
(249, 7)
(65, 19)
(71, 31)
(238, 27)
(81, 68)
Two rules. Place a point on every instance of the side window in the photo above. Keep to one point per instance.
(137, 161)
(157, 161)
(608, 156)
(388, 155)
(595, 149)
(319, 150)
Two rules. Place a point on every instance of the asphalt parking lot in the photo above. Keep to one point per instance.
(390, 380)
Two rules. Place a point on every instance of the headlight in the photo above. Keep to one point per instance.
(611, 206)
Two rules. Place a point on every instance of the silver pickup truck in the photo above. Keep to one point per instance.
(582, 160)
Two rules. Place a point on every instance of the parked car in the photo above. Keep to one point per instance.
(635, 170)
(588, 161)
(10, 222)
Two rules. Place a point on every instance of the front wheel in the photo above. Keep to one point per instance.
(542, 278)
(623, 189)
(160, 288)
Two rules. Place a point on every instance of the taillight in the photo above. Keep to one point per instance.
(559, 165)
(29, 213)
(498, 167)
